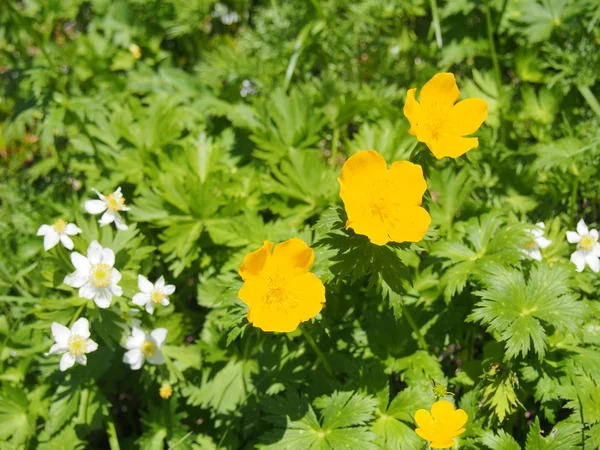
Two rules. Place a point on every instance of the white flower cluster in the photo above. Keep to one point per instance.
(97, 279)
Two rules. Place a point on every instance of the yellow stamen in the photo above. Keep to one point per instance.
(77, 345)
(531, 245)
(115, 201)
(148, 348)
(165, 391)
(100, 275)
(60, 225)
(587, 242)
(157, 296)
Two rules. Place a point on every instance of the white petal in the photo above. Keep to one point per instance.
(150, 308)
(71, 229)
(100, 196)
(81, 359)
(543, 242)
(66, 362)
(76, 279)
(94, 252)
(81, 327)
(594, 234)
(118, 190)
(138, 336)
(134, 358)
(593, 261)
(578, 258)
(95, 206)
(165, 301)
(144, 284)
(57, 349)
(60, 333)
(573, 237)
(140, 299)
(66, 241)
(157, 358)
(125, 208)
(50, 240)
(92, 346)
(119, 223)
(582, 227)
(536, 254)
(108, 257)
(117, 291)
(107, 217)
(44, 230)
(88, 290)
(160, 283)
(80, 262)
(596, 249)
(159, 335)
(103, 298)
(116, 276)
(168, 289)
(541, 225)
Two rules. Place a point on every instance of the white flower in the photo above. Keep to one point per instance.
(58, 231)
(72, 344)
(142, 346)
(110, 204)
(588, 248)
(533, 247)
(95, 275)
(152, 294)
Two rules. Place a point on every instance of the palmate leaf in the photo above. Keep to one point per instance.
(563, 435)
(523, 312)
(342, 426)
(500, 441)
(15, 421)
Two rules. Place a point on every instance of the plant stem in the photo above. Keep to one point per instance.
(436, 23)
(83, 406)
(76, 316)
(573, 204)
(411, 321)
(590, 98)
(111, 431)
(318, 351)
(490, 33)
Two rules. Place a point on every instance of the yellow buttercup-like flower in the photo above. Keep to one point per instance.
(384, 204)
(440, 123)
(442, 425)
(278, 288)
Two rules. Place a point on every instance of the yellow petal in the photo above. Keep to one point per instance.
(467, 116)
(273, 318)
(255, 262)
(413, 111)
(361, 170)
(309, 293)
(407, 223)
(407, 182)
(292, 257)
(371, 226)
(442, 444)
(428, 435)
(423, 419)
(440, 91)
(442, 410)
(458, 420)
(452, 146)
(253, 291)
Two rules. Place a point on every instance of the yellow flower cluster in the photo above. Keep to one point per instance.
(381, 203)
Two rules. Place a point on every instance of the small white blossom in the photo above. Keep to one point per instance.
(142, 346)
(588, 248)
(110, 205)
(72, 344)
(58, 231)
(152, 294)
(95, 275)
(533, 248)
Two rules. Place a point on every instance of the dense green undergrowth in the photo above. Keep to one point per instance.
(227, 124)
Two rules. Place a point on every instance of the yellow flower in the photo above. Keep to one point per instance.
(278, 288)
(135, 51)
(439, 122)
(383, 204)
(442, 425)
(165, 391)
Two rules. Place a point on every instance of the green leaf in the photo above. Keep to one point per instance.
(15, 421)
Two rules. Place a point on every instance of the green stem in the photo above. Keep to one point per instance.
(411, 321)
(334, 143)
(573, 204)
(492, 43)
(111, 431)
(318, 351)
(83, 406)
(436, 22)
(77, 314)
(590, 98)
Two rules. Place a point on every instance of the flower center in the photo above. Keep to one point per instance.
(115, 201)
(59, 225)
(157, 296)
(165, 392)
(587, 242)
(100, 275)
(77, 345)
(148, 348)
(531, 245)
